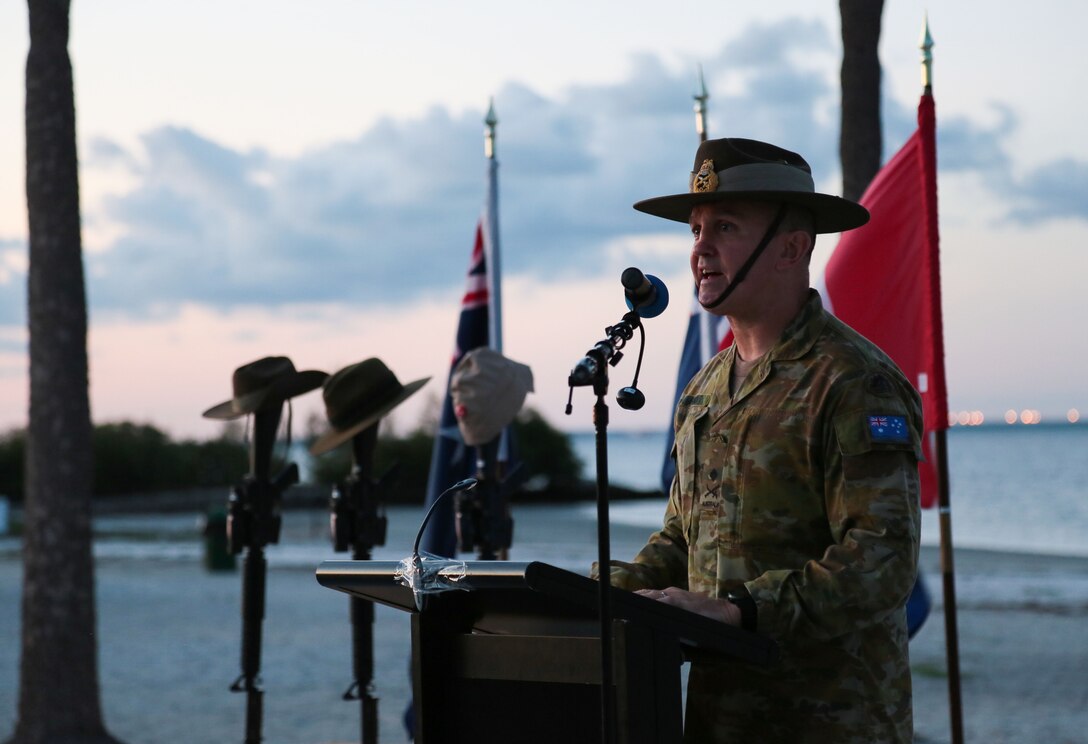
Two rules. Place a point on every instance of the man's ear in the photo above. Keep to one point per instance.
(796, 246)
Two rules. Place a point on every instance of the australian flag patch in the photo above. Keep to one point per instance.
(889, 429)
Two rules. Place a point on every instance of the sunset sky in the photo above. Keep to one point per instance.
(304, 179)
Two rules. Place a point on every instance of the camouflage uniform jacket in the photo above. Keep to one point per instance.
(804, 488)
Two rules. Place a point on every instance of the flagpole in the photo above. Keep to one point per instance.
(700, 107)
(707, 337)
(948, 573)
(491, 245)
(492, 255)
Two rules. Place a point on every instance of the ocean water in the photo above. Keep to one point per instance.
(1018, 489)
(1012, 488)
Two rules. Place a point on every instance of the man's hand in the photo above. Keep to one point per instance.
(721, 610)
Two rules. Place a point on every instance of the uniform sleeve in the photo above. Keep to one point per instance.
(871, 450)
(664, 559)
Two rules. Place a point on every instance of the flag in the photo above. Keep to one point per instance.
(480, 324)
(451, 459)
(701, 342)
(883, 279)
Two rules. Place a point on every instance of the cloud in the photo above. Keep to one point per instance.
(1054, 191)
(104, 152)
(965, 145)
(389, 217)
(13, 265)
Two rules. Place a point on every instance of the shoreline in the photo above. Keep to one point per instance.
(180, 515)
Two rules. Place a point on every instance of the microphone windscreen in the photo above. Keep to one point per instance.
(656, 304)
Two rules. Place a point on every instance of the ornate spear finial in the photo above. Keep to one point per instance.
(926, 45)
(700, 107)
(489, 134)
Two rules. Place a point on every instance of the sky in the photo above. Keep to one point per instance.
(304, 179)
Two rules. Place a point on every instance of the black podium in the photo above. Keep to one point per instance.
(516, 657)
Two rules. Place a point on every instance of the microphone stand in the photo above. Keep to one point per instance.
(592, 370)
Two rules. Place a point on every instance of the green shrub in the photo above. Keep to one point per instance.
(131, 458)
(546, 454)
(138, 458)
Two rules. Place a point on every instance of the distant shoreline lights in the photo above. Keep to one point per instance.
(1027, 416)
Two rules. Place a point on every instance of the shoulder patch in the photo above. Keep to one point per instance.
(888, 429)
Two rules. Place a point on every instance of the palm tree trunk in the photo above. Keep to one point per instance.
(58, 676)
(860, 136)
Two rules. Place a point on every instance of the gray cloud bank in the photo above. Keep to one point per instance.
(389, 216)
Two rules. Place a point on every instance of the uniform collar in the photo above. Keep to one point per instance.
(797, 339)
(802, 332)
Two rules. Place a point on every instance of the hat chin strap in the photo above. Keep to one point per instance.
(763, 243)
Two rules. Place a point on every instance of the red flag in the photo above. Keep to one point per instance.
(883, 279)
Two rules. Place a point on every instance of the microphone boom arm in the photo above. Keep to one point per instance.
(590, 369)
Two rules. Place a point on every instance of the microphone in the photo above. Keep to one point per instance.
(645, 294)
(465, 485)
(412, 572)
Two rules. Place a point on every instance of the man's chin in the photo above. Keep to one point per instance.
(710, 291)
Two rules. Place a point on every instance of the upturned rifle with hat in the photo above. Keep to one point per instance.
(254, 509)
(356, 398)
(483, 521)
(487, 391)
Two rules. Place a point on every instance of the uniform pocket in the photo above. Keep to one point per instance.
(779, 479)
(687, 466)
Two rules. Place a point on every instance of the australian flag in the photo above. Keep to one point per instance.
(888, 429)
(451, 460)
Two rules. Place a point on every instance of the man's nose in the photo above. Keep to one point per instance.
(700, 246)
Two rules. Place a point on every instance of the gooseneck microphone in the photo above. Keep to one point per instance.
(646, 294)
(420, 578)
(465, 485)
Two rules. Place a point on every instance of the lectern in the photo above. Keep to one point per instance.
(515, 655)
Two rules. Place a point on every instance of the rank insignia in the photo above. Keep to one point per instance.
(879, 384)
(706, 179)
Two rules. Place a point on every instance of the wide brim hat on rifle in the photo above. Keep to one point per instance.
(749, 170)
(357, 397)
(264, 385)
(487, 391)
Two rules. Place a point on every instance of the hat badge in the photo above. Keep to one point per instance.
(706, 179)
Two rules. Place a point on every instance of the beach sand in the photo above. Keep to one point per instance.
(168, 635)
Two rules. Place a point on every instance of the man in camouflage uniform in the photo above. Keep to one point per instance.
(794, 511)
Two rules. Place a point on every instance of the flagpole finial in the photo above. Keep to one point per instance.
(926, 45)
(489, 134)
(701, 97)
